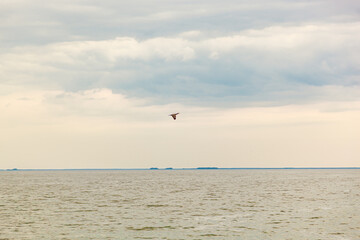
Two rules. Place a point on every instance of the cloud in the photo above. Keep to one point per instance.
(57, 107)
(99, 128)
(51, 22)
(280, 63)
(90, 84)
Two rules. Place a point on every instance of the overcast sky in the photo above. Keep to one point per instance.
(264, 83)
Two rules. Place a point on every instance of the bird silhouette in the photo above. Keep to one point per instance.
(174, 115)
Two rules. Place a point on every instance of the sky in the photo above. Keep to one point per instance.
(263, 83)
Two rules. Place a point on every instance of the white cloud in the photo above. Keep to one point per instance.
(273, 60)
(308, 38)
(99, 128)
(78, 52)
(91, 84)
(313, 38)
(102, 104)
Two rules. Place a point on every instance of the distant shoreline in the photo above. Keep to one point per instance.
(176, 169)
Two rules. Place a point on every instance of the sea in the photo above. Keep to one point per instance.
(181, 204)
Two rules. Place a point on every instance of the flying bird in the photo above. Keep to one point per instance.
(174, 115)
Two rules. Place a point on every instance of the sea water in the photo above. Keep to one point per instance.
(180, 204)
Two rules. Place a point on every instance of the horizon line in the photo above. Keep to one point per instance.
(170, 168)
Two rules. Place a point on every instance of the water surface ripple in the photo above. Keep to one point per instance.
(203, 204)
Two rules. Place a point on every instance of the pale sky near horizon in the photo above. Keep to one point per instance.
(90, 84)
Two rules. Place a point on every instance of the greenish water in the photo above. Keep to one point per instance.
(202, 204)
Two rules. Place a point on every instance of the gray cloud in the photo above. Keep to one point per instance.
(87, 80)
(251, 65)
(36, 22)
(233, 51)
